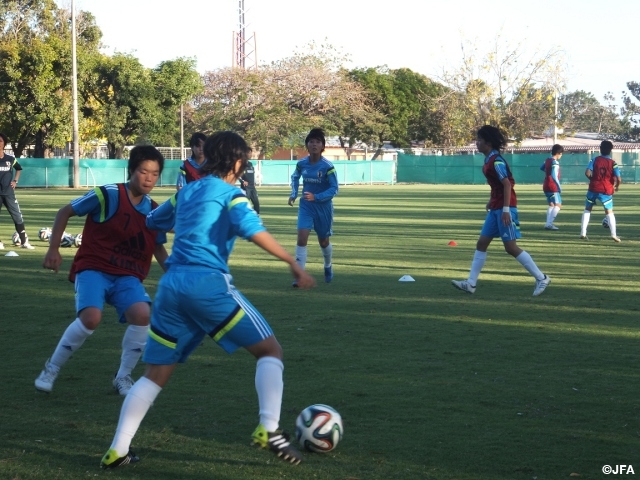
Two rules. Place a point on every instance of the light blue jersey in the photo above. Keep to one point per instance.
(101, 204)
(319, 178)
(206, 217)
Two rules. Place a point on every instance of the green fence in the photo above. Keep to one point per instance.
(39, 172)
(467, 169)
(448, 169)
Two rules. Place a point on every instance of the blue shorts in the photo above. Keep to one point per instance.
(316, 216)
(605, 200)
(494, 228)
(94, 288)
(553, 197)
(192, 302)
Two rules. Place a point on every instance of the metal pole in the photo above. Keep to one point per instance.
(74, 82)
(555, 122)
(182, 131)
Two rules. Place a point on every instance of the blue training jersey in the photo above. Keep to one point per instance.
(102, 208)
(206, 217)
(319, 178)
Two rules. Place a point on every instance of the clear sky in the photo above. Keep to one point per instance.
(599, 38)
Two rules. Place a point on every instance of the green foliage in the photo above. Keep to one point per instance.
(432, 383)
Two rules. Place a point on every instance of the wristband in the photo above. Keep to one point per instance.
(506, 210)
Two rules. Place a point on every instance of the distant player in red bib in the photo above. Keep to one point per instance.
(113, 260)
(502, 217)
(551, 185)
(604, 179)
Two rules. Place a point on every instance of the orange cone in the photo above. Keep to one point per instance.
(453, 243)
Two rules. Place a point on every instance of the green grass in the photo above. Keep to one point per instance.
(432, 383)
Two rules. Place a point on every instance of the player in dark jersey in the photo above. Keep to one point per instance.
(8, 185)
(190, 168)
(110, 265)
(604, 179)
(551, 185)
(502, 213)
(248, 185)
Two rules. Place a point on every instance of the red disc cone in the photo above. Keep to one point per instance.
(453, 243)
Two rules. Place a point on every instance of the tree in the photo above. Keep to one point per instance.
(507, 86)
(631, 112)
(581, 111)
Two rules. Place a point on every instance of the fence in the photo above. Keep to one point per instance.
(39, 172)
(467, 169)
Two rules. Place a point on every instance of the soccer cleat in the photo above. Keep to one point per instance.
(541, 285)
(615, 239)
(28, 246)
(463, 285)
(111, 459)
(583, 237)
(122, 385)
(328, 274)
(294, 284)
(1, 246)
(47, 377)
(551, 227)
(278, 442)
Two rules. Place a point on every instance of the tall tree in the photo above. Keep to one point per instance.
(631, 112)
(581, 111)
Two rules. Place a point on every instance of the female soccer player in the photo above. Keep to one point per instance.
(320, 185)
(196, 296)
(502, 217)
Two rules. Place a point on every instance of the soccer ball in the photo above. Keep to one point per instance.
(605, 222)
(67, 240)
(44, 234)
(77, 240)
(16, 238)
(319, 428)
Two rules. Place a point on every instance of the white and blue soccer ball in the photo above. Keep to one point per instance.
(16, 239)
(605, 222)
(319, 428)
(44, 233)
(77, 240)
(67, 240)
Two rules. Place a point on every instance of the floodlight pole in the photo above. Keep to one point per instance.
(555, 121)
(74, 82)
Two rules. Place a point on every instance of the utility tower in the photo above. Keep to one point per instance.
(244, 48)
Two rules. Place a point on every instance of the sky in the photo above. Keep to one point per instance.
(598, 38)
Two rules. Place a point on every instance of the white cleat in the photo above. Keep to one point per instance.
(615, 239)
(28, 246)
(47, 377)
(551, 227)
(122, 385)
(541, 285)
(463, 285)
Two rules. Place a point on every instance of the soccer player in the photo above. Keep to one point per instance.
(502, 214)
(604, 179)
(7, 192)
(190, 168)
(551, 185)
(320, 185)
(110, 265)
(248, 182)
(196, 297)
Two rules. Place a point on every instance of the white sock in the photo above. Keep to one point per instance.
(72, 339)
(476, 266)
(586, 215)
(612, 224)
(326, 253)
(301, 256)
(549, 217)
(135, 406)
(554, 213)
(269, 385)
(527, 262)
(133, 343)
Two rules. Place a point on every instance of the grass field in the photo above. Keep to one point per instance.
(432, 383)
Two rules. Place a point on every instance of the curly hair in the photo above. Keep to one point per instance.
(222, 150)
(493, 136)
